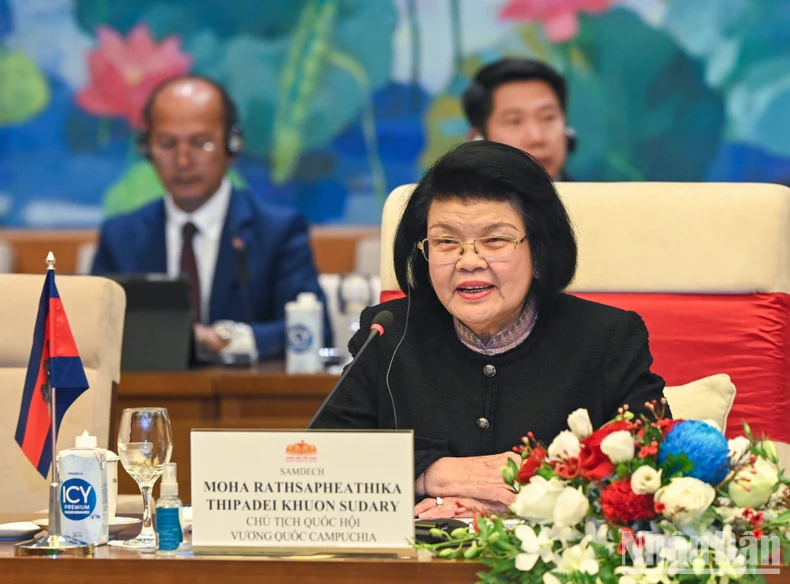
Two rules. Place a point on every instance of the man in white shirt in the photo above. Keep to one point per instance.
(244, 259)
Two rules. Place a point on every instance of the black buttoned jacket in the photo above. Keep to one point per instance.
(580, 354)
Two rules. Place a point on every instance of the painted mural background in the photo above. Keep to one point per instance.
(342, 100)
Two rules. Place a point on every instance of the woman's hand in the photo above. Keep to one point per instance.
(475, 477)
(456, 507)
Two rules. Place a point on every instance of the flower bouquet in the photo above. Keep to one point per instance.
(642, 499)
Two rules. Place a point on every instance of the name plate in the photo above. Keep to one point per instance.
(265, 491)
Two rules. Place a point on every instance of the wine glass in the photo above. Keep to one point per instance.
(145, 443)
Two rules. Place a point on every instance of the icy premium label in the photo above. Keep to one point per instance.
(77, 499)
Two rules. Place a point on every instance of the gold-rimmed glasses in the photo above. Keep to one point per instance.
(448, 250)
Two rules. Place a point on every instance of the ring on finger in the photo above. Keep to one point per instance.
(439, 501)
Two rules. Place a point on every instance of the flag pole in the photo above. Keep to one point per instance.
(54, 544)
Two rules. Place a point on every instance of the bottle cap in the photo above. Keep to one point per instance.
(169, 484)
(85, 440)
(355, 291)
(306, 298)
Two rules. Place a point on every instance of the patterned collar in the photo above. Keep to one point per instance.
(510, 337)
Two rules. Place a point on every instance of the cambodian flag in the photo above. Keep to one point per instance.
(54, 362)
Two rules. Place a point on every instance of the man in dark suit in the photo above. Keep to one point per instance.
(522, 103)
(244, 259)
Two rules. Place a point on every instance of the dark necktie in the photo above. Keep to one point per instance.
(189, 265)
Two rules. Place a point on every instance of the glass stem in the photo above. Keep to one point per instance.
(148, 512)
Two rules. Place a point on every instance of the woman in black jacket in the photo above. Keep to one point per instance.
(486, 347)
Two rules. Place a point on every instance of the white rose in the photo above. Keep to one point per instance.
(738, 448)
(565, 445)
(685, 499)
(571, 508)
(646, 480)
(618, 446)
(537, 499)
(549, 578)
(580, 424)
(753, 485)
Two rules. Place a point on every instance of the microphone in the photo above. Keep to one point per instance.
(380, 323)
(243, 275)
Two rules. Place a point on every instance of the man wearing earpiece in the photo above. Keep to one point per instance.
(522, 103)
(244, 259)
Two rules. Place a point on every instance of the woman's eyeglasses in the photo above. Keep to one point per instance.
(448, 250)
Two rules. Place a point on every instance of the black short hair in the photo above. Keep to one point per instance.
(490, 171)
(229, 109)
(478, 101)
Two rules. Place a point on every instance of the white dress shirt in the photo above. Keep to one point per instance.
(209, 220)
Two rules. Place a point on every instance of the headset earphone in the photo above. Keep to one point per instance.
(571, 138)
(234, 136)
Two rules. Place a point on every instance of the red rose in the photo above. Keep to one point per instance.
(531, 465)
(621, 505)
(568, 468)
(594, 464)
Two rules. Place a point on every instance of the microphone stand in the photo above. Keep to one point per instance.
(374, 332)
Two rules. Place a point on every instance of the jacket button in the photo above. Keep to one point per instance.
(482, 423)
(489, 370)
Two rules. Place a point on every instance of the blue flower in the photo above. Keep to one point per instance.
(703, 445)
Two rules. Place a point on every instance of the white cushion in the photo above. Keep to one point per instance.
(709, 398)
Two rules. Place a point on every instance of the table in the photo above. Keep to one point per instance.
(115, 566)
(124, 567)
(262, 397)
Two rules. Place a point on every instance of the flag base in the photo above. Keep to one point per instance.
(54, 546)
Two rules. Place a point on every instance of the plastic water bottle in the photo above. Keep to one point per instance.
(304, 333)
(168, 512)
(84, 505)
(356, 295)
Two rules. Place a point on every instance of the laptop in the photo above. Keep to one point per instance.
(157, 333)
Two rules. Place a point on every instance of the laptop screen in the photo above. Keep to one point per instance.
(157, 333)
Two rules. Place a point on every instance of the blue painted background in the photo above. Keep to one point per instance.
(342, 100)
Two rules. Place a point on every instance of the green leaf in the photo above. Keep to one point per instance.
(23, 88)
(138, 185)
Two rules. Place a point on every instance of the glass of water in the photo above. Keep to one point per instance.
(145, 443)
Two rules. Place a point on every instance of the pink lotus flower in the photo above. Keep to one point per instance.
(559, 17)
(124, 72)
